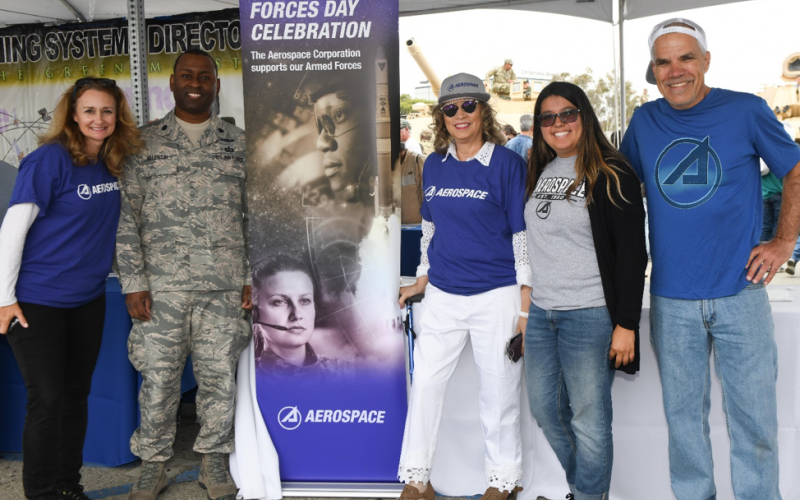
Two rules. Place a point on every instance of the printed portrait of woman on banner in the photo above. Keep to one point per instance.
(284, 314)
(318, 197)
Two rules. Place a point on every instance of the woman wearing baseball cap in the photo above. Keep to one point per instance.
(475, 273)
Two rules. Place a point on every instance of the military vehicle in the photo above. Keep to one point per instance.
(784, 100)
(507, 111)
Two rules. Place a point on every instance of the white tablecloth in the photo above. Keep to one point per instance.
(254, 464)
(641, 467)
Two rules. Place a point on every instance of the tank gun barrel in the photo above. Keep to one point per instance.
(422, 62)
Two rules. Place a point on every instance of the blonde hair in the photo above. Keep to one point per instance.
(125, 141)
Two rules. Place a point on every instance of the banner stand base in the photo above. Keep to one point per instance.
(342, 490)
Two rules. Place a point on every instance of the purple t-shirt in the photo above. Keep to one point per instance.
(476, 210)
(70, 246)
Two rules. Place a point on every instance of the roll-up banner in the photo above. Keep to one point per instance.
(321, 110)
(37, 63)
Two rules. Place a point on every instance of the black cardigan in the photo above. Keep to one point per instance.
(619, 241)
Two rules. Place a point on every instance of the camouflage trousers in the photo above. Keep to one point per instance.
(212, 327)
(501, 88)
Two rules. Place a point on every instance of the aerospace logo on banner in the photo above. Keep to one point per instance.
(321, 93)
(37, 63)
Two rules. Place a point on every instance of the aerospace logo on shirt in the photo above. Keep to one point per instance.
(455, 193)
(430, 192)
(86, 191)
(543, 210)
(688, 172)
(555, 189)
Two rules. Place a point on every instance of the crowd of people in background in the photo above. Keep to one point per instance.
(496, 269)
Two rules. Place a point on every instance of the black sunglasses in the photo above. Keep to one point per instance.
(568, 116)
(106, 83)
(451, 109)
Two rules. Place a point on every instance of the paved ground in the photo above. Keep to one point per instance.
(113, 483)
(786, 280)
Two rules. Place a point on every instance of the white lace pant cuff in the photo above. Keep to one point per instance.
(413, 475)
(415, 468)
(504, 477)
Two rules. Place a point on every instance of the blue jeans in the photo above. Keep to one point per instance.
(569, 378)
(741, 331)
(796, 254)
(771, 212)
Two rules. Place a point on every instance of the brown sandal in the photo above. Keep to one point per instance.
(493, 493)
(411, 493)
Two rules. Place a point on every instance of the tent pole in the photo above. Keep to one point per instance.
(622, 111)
(137, 52)
(615, 83)
(74, 11)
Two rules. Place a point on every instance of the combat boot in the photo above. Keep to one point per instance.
(152, 482)
(215, 479)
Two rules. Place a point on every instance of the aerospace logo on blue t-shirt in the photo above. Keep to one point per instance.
(84, 191)
(688, 172)
(430, 192)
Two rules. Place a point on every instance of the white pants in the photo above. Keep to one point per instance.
(489, 319)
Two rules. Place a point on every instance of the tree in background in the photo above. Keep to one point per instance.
(601, 95)
(406, 102)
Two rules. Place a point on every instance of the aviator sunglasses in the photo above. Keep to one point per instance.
(568, 116)
(107, 83)
(450, 109)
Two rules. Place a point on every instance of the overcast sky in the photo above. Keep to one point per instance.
(748, 42)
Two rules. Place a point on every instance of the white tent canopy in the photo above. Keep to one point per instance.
(68, 11)
(599, 10)
(63, 11)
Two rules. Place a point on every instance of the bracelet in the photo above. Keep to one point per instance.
(523, 314)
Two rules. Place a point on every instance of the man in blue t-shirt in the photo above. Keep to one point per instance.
(522, 143)
(697, 151)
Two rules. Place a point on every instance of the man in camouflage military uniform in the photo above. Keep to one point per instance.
(182, 256)
(503, 76)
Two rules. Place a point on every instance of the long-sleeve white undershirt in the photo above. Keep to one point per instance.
(18, 220)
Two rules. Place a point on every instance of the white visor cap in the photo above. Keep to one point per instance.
(663, 28)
